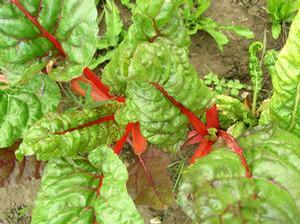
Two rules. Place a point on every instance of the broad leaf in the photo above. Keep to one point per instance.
(22, 106)
(85, 190)
(142, 190)
(24, 50)
(154, 18)
(59, 135)
(132, 73)
(285, 102)
(216, 190)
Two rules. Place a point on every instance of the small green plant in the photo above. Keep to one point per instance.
(195, 21)
(281, 12)
(223, 86)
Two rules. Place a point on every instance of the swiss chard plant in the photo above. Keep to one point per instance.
(148, 94)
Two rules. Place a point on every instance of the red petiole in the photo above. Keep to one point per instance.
(202, 129)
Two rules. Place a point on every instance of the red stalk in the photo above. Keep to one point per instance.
(88, 73)
(96, 93)
(120, 143)
(233, 145)
(99, 121)
(97, 82)
(204, 148)
(44, 32)
(101, 86)
(212, 117)
(194, 120)
(193, 138)
(139, 141)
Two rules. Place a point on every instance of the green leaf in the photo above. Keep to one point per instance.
(210, 26)
(216, 190)
(70, 133)
(114, 25)
(231, 110)
(241, 31)
(25, 50)
(22, 106)
(285, 102)
(276, 30)
(281, 11)
(71, 191)
(158, 18)
(131, 73)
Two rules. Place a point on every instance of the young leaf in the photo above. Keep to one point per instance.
(70, 133)
(114, 25)
(139, 187)
(285, 102)
(281, 11)
(152, 19)
(216, 192)
(133, 74)
(231, 110)
(85, 190)
(22, 106)
(24, 49)
(255, 71)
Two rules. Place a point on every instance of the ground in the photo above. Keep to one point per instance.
(16, 199)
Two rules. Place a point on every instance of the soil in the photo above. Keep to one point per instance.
(16, 200)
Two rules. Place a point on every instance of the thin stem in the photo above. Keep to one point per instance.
(255, 94)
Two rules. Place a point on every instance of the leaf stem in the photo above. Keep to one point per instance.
(44, 32)
(194, 120)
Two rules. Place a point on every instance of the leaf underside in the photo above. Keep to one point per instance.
(139, 187)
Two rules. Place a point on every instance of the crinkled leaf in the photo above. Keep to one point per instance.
(22, 106)
(166, 130)
(216, 190)
(153, 18)
(71, 191)
(231, 110)
(142, 190)
(58, 135)
(285, 102)
(161, 62)
(255, 70)
(23, 48)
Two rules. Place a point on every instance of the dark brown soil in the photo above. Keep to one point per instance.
(16, 200)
